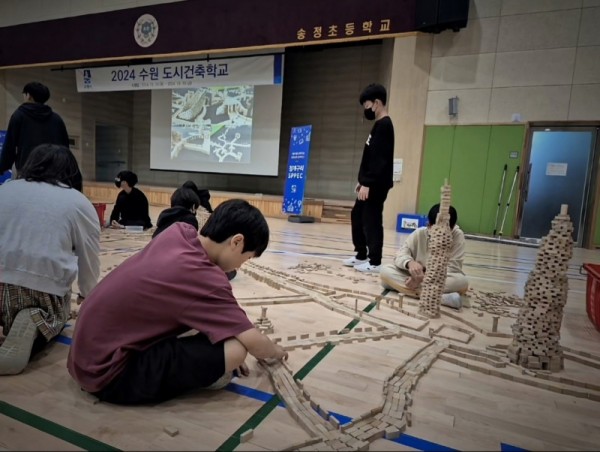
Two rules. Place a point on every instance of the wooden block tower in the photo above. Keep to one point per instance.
(440, 242)
(202, 215)
(536, 338)
(263, 324)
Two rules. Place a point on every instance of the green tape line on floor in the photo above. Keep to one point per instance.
(234, 440)
(51, 428)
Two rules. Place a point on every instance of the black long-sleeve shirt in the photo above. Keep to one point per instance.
(131, 209)
(30, 125)
(377, 164)
(173, 215)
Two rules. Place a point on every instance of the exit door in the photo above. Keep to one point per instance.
(559, 172)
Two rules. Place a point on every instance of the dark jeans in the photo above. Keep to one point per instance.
(165, 370)
(367, 225)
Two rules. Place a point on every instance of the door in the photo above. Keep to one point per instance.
(558, 173)
(112, 144)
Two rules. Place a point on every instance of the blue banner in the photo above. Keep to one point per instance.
(297, 166)
(7, 174)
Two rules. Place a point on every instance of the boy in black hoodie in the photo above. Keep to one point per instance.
(32, 124)
(184, 203)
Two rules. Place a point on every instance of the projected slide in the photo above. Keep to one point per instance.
(213, 124)
(230, 129)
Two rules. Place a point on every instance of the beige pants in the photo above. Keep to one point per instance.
(394, 278)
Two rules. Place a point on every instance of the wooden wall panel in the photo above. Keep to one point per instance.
(269, 205)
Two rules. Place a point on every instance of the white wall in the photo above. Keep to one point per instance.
(537, 58)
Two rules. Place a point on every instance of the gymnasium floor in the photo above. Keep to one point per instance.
(470, 398)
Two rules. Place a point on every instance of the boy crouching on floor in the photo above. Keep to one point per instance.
(127, 347)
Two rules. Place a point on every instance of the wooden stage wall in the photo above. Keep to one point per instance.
(269, 205)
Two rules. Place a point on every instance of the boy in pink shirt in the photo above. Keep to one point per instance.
(127, 347)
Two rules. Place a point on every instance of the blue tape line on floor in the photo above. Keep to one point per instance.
(508, 448)
(64, 339)
(250, 392)
(404, 439)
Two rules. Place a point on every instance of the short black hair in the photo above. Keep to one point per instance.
(40, 93)
(128, 176)
(433, 213)
(236, 216)
(53, 164)
(186, 198)
(203, 194)
(372, 92)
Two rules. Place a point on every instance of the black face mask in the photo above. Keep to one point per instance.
(118, 183)
(369, 114)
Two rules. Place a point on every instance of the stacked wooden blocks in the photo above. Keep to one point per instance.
(537, 329)
(440, 242)
(263, 324)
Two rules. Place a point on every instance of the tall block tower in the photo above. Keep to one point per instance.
(536, 332)
(440, 243)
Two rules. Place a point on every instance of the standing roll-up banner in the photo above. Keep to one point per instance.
(295, 181)
(8, 173)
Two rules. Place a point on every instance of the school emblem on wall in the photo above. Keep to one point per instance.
(145, 30)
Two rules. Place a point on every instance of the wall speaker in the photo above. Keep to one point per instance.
(453, 106)
(434, 16)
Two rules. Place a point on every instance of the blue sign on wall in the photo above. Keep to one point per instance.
(297, 166)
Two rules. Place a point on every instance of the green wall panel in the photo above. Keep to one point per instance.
(504, 140)
(435, 168)
(472, 158)
(467, 174)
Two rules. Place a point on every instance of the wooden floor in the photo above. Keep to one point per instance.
(469, 399)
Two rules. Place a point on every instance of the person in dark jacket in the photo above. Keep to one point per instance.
(131, 207)
(32, 124)
(184, 203)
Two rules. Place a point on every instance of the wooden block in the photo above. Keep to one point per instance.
(392, 433)
(248, 434)
(171, 431)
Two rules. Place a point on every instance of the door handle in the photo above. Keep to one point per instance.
(526, 183)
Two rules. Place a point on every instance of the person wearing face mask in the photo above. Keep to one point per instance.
(374, 182)
(131, 207)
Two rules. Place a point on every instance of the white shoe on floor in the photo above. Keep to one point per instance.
(366, 267)
(452, 300)
(16, 348)
(352, 261)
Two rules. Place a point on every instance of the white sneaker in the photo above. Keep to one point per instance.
(366, 267)
(15, 351)
(352, 261)
(452, 300)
